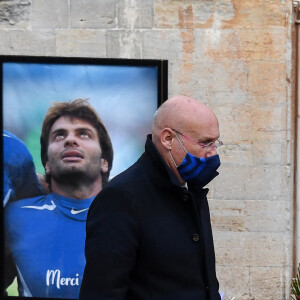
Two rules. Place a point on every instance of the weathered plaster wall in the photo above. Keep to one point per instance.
(234, 55)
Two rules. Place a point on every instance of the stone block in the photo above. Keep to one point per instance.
(268, 123)
(266, 216)
(263, 44)
(263, 222)
(180, 79)
(192, 14)
(235, 123)
(227, 215)
(216, 44)
(297, 233)
(243, 45)
(48, 14)
(188, 47)
(267, 78)
(224, 9)
(223, 83)
(267, 283)
(239, 152)
(123, 44)
(251, 183)
(159, 44)
(252, 122)
(4, 38)
(93, 14)
(172, 45)
(78, 42)
(35, 42)
(14, 14)
(234, 282)
(248, 215)
(135, 14)
(273, 99)
(175, 14)
(250, 249)
(257, 14)
(268, 153)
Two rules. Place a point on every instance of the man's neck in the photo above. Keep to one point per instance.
(79, 191)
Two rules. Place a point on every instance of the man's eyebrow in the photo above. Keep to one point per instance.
(207, 140)
(85, 128)
(58, 130)
(204, 141)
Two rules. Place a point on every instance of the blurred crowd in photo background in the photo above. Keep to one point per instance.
(122, 95)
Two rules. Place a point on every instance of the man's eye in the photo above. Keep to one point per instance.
(209, 144)
(203, 146)
(84, 134)
(59, 136)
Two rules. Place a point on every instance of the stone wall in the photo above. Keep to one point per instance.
(234, 55)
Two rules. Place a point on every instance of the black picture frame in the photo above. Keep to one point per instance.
(30, 79)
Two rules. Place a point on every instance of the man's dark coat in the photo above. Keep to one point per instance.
(149, 238)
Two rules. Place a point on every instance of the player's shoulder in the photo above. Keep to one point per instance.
(11, 139)
(9, 135)
(15, 151)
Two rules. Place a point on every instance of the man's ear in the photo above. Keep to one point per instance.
(47, 169)
(45, 185)
(104, 165)
(166, 138)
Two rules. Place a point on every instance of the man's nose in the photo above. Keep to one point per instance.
(211, 152)
(71, 140)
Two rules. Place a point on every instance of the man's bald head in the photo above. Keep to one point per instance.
(182, 113)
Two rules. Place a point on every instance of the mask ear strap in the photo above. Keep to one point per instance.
(173, 159)
(180, 142)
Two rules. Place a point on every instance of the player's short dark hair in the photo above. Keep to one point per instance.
(81, 109)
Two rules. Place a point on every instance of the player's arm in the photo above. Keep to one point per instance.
(19, 176)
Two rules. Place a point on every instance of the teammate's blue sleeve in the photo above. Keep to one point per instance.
(19, 175)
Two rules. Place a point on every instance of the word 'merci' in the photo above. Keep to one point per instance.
(54, 278)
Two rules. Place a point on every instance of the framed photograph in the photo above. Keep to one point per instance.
(124, 92)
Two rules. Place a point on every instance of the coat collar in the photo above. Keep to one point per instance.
(155, 156)
(152, 152)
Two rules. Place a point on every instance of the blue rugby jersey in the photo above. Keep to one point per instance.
(46, 237)
(19, 176)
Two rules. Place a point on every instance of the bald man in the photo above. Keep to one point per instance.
(148, 231)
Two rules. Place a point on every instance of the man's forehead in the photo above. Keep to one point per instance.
(71, 122)
(202, 126)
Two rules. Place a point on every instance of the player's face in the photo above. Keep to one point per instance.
(74, 150)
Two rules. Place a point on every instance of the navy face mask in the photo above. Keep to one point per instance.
(198, 170)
